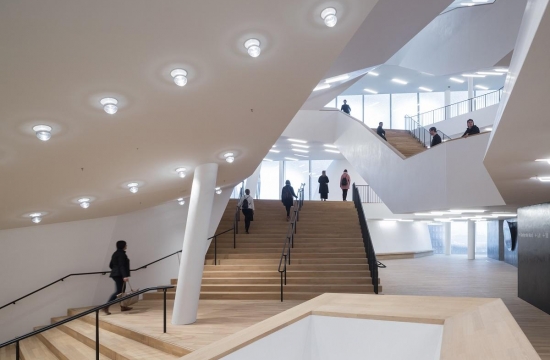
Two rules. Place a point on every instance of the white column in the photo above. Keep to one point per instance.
(447, 238)
(196, 232)
(471, 93)
(252, 181)
(447, 103)
(471, 240)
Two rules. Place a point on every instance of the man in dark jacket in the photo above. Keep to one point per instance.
(381, 131)
(471, 130)
(287, 198)
(436, 139)
(346, 108)
(120, 272)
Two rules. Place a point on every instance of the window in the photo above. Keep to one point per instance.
(298, 172)
(331, 104)
(269, 180)
(459, 105)
(401, 105)
(377, 109)
(317, 166)
(431, 107)
(481, 238)
(356, 104)
(459, 237)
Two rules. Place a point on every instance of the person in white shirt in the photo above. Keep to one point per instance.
(246, 204)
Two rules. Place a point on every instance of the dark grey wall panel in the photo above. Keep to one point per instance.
(493, 246)
(534, 255)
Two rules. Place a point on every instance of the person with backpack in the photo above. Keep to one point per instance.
(345, 180)
(246, 204)
(287, 197)
(323, 186)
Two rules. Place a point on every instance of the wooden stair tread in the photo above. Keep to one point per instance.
(34, 349)
(66, 347)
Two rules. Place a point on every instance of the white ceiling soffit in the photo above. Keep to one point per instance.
(318, 99)
(521, 130)
(463, 39)
(59, 57)
(389, 26)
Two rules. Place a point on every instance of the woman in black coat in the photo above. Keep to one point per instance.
(120, 272)
(323, 186)
(287, 197)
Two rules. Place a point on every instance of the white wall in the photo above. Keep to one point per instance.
(37, 255)
(396, 237)
(455, 127)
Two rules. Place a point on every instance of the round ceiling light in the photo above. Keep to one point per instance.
(181, 201)
(133, 187)
(84, 203)
(253, 47)
(109, 105)
(43, 132)
(229, 157)
(181, 172)
(179, 76)
(218, 190)
(36, 217)
(329, 16)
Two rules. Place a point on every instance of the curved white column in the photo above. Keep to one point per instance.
(192, 256)
(471, 240)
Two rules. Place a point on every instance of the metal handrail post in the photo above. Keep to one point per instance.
(216, 250)
(97, 335)
(17, 351)
(164, 328)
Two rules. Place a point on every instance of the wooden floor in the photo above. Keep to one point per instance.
(442, 275)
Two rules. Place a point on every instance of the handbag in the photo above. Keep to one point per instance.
(130, 301)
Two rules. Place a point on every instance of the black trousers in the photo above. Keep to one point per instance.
(344, 194)
(118, 283)
(288, 209)
(247, 218)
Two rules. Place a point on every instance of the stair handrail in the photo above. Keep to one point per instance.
(109, 271)
(367, 241)
(85, 313)
(471, 104)
(420, 133)
(289, 239)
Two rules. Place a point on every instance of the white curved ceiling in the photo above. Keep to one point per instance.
(59, 57)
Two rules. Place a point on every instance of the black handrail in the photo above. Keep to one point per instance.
(367, 241)
(421, 133)
(368, 196)
(87, 312)
(234, 228)
(289, 239)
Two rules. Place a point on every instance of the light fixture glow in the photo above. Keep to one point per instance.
(291, 159)
(133, 187)
(372, 73)
(473, 75)
(490, 73)
(405, 220)
(253, 47)
(321, 87)
(300, 151)
(179, 76)
(43, 132)
(502, 70)
(371, 91)
(542, 178)
(304, 156)
(36, 219)
(457, 80)
(181, 201)
(399, 81)
(466, 211)
(336, 79)
(331, 146)
(467, 4)
(425, 89)
(329, 16)
(298, 141)
(301, 146)
(482, 87)
(229, 157)
(218, 190)
(547, 160)
(274, 151)
(109, 105)
(488, 129)
(266, 159)
(332, 151)
(181, 172)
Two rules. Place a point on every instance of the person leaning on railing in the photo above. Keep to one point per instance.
(436, 139)
(471, 129)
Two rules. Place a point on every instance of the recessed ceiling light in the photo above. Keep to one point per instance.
(437, 213)
(253, 47)
(218, 190)
(84, 203)
(399, 81)
(502, 70)
(547, 160)
(423, 214)
(301, 146)
(109, 105)
(466, 211)
(321, 87)
(488, 129)
(43, 132)
(36, 217)
(336, 79)
(371, 91)
(331, 146)
(304, 156)
(181, 201)
(482, 87)
(473, 75)
(332, 151)
(372, 73)
(329, 16)
(291, 159)
(266, 159)
(301, 151)
(229, 157)
(425, 89)
(442, 220)
(542, 178)
(274, 151)
(298, 141)
(457, 80)
(133, 187)
(467, 4)
(490, 73)
(273, 146)
(389, 220)
(179, 76)
(405, 220)
(181, 172)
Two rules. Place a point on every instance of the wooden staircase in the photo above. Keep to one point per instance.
(404, 142)
(328, 255)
